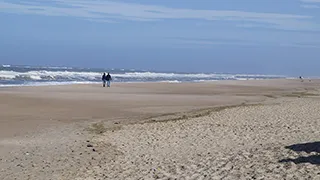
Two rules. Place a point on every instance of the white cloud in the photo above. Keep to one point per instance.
(209, 42)
(301, 46)
(310, 6)
(311, 1)
(111, 11)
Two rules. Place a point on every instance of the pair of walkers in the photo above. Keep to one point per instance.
(106, 79)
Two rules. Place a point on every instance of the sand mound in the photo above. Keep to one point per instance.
(239, 143)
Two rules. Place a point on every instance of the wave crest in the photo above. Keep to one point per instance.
(55, 75)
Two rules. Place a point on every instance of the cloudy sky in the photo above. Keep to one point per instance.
(243, 36)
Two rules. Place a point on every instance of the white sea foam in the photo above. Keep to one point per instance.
(40, 75)
(75, 76)
(180, 75)
(6, 76)
(174, 81)
(203, 80)
(48, 83)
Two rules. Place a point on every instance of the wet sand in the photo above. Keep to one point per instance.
(158, 130)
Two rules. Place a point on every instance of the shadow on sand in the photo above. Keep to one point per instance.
(308, 148)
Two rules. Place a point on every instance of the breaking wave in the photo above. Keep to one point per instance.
(59, 75)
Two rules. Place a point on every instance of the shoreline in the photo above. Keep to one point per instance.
(66, 83)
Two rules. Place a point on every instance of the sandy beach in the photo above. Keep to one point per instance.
(259, 129)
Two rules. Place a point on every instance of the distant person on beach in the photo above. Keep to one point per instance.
(301, 78)
(104, 79)
(108, 79)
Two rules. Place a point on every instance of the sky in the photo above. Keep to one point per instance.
(232, 36)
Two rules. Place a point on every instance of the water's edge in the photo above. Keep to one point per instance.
(33, 76)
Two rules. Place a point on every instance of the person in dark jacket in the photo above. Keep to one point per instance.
(108, 79)
(104, 79)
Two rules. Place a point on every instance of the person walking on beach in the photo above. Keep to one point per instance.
(108, 79)
(104, 77)
(301, 78)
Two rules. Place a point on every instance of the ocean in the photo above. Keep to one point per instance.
(12, 75)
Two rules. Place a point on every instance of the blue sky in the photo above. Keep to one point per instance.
(247, 36)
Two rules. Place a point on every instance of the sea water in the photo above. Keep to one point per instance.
(11, 75)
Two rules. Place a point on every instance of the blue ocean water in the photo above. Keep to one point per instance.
(11, 75)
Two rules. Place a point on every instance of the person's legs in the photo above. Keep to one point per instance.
(104, 83)
(108, 83)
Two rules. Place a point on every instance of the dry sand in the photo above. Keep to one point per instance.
(218, 130)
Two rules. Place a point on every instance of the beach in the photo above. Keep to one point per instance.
(255, 129)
